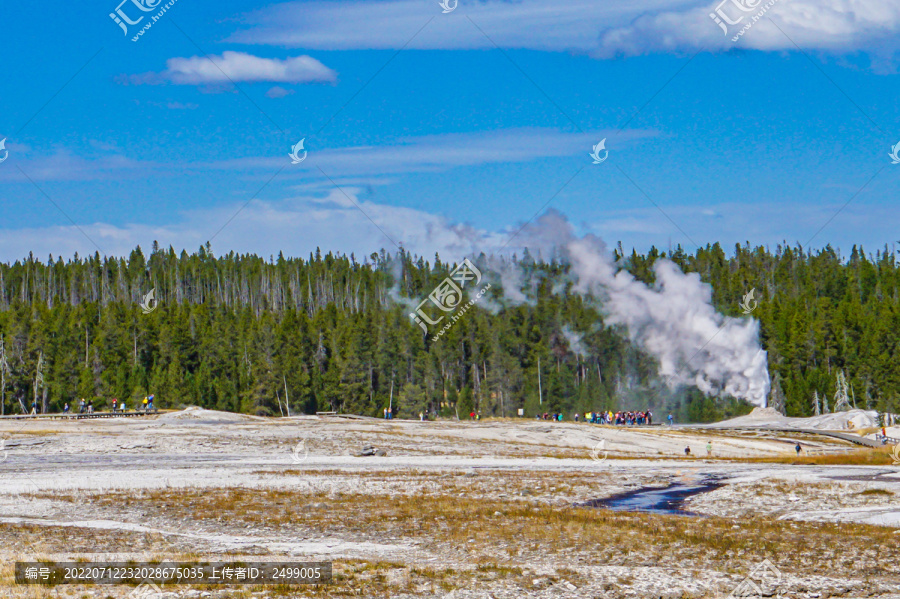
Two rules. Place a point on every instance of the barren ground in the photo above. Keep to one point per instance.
(456, 510)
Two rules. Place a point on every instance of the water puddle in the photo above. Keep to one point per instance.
(872, 477)
(655, 500)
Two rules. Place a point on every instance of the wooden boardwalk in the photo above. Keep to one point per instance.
(774, 429)
(77, 416)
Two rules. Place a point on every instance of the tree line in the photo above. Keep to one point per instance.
(333, 332)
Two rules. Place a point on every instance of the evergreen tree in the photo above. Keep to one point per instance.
(776, 395)
(466, 405)
(244, 333)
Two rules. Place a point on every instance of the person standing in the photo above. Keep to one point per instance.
(671, 419)
(798, 448)
(708, 448)
(687, 450)
(114, 402)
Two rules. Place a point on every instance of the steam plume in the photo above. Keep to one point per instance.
(673, 320)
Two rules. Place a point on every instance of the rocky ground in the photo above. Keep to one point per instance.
(486, 509)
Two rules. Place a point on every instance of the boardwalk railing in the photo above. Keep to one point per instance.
(826, 450)
(887, 440)
(80, 416)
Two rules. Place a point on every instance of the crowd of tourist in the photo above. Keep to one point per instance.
(617, 418)
(87, 407)
(555, 416)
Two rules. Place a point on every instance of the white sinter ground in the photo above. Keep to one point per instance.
(55, 470)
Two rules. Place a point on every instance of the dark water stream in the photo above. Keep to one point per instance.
(655, 500)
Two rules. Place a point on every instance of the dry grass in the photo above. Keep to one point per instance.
(876, 492)
(876, 456)
(482, 531)
(34, 432)
(513, 530)
(351, 578)
(862, 432)
(490, 530)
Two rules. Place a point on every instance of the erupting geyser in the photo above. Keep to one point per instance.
(673, 320)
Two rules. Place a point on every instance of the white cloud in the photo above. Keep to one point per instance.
(603, 29)
(278, 92)
(731, 223)
(238, 67)
(835, 25)
(182, 106)
(360, 165)
(352, 223)
(434, 153)
(296, 226)
(63, 165)
(539, 24)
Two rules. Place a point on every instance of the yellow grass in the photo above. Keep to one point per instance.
(876, 456)
(478, 530)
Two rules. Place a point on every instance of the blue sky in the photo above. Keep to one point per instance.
(446, 131)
